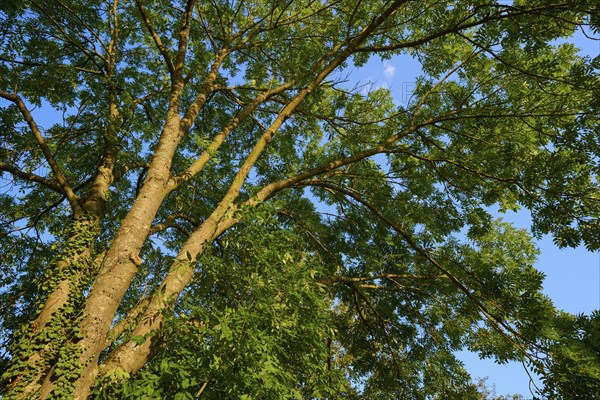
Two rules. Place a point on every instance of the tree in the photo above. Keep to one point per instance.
(574, 370)
(218, 213)
(489, 393)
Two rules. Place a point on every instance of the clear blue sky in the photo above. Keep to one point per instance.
(572, 275)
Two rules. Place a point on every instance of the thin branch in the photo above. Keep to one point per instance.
(348, 279)
(84, 23)
(88, 52)
(169, 222)
(439, 83)
(312, 236)
(515, 67)
(126, 168)
(28, 176)
(382, 321)
(142, 99)
(157, 40)
(461, 26)
(45, 65)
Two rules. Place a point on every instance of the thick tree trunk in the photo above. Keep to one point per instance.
(121, 261)
(130, 356)
(38, 346)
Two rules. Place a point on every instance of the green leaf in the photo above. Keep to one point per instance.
(139, 340)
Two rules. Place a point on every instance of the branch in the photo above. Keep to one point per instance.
(28, 176)
(127, 322)
(498, 15)
(39, 64)
(91, 53)
(157, 40)
(291, 106)
(58, 175)
(84, 23)
(197, 166)
(348, 279)
(104, 176)
(182, 270)
(275, 187)
(142, 99)
(513, 66)
(382, 321)
(169, 222)
(184, 35)
(126, 168)
(207, 88)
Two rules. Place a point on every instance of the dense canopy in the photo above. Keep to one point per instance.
(200, 201)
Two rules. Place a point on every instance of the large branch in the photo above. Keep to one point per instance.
(201, 98)
(121, 262)
(385, 146)
(184, 34)
(104, 176)
(56, 170)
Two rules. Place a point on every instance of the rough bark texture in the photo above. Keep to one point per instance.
(119, 267)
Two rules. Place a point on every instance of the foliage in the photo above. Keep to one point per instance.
(574, 371)
(200, 201)
(489, 392)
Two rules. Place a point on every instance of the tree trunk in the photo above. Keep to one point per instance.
(40, 343)
(122, 259)
(131, 357)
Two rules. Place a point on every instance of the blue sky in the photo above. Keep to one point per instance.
(572, 275)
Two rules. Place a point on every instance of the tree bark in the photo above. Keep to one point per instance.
(119, 266)
(39, 344)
